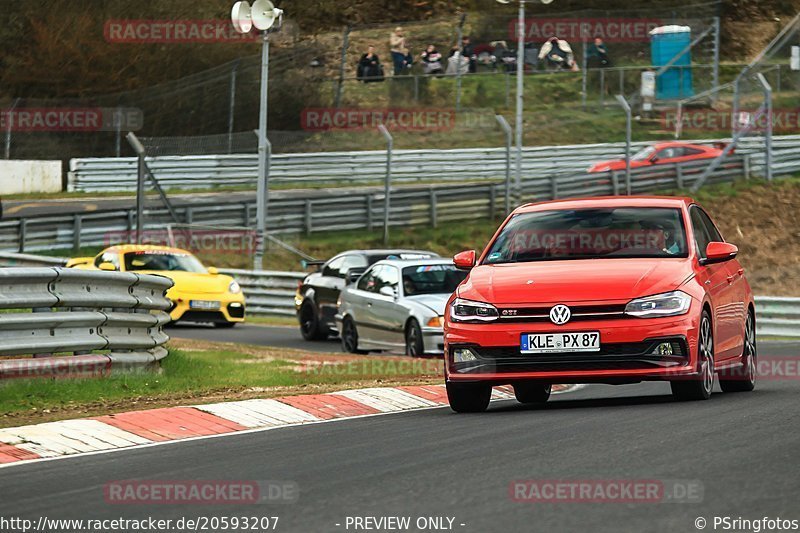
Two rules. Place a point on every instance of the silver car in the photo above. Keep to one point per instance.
(397, 305)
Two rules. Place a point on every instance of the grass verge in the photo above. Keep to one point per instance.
(203, 372)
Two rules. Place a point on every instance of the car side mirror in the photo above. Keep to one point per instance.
(654, 159)
(464, 260)
(108, 267)
(213, 271)
(386, 290)
(719, 252)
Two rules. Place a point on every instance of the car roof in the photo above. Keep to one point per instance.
(675, 202)
(672, 144)
(402, 263)
(125, 248)
(386, 251)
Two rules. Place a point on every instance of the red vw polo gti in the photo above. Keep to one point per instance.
(600, 290)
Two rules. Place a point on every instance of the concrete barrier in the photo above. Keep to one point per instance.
(24, 177)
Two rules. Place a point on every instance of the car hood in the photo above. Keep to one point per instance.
(435, 302)
(194, 282)
(574, 280)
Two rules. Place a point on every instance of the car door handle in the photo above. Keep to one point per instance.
(741, 271)
(730, 279)
(369, 304)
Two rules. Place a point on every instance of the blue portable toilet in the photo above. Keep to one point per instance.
(665, 43)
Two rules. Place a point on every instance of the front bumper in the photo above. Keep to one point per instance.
(626, 351)
(231, 308)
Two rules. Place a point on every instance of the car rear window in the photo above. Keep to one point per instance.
(431, 279)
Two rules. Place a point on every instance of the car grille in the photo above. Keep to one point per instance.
(579, 313)
(236, 311)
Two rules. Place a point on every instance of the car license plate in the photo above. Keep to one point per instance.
(204, 304)
(583, 341)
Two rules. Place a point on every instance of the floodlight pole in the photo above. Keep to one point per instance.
(520, 73)
(262, 188)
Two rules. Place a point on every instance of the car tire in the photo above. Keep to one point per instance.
(415, 345)
(226, 325)
(532, 393)
(309, 322)
(469, 397)
(743, 378)
(699, 387)
(350, 337)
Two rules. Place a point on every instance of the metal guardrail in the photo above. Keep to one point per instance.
(268, 292)
(778, 316)
(58, 311)
(362, 209)
(209, 171)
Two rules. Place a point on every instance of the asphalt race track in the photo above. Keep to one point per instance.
(741, 449)
(278, 336)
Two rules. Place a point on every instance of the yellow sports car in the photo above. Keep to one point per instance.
(200, 294)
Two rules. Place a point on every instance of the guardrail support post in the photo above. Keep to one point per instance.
(23, 230)
(615, 182)
(369, 212)
(492, 201)
(434, 210)
(554, 186)
(747, 167)
(77, 226)
(387, 186)
(307, 218)
(678, 176)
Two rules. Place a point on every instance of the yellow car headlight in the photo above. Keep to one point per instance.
(234, 288)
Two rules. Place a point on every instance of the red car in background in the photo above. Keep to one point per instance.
(662, 154)
(600, 290)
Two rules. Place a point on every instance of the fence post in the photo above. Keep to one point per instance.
(626, 106)
(387, 186)
(434, 209)
(340, 83)
(507, 130)
(602, 87)
(307, 217)
(715, 74)
(678, 176)
(768, 133)
(416, 88)
(232, 105)
(77, 223)
(9, 122)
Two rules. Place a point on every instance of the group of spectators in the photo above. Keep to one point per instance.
(555, 54)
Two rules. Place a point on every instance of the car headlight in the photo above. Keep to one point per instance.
(234, 288)
(470, 311)
(666, 304)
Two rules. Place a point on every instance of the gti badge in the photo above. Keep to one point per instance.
(560, 314)
(509, 312)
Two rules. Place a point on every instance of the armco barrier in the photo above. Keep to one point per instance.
(356, 168)
(778, 317)
(314, 211)
(62, 311)
(268, 292)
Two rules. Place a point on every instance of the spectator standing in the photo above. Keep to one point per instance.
(369, 67)
(400, 54)
(432, 60)
(468, 51)
(597, 54)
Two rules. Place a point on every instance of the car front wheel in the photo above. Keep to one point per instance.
(700, 386)
(743, 378)
(469, 397)
(309, 322)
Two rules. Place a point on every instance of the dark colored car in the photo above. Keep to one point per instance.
(317, 295)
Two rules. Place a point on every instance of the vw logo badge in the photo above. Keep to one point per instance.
(560, 314)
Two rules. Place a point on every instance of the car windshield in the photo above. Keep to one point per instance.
(170, 261)
(643, 154)
(431, 279)
(621, 232)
